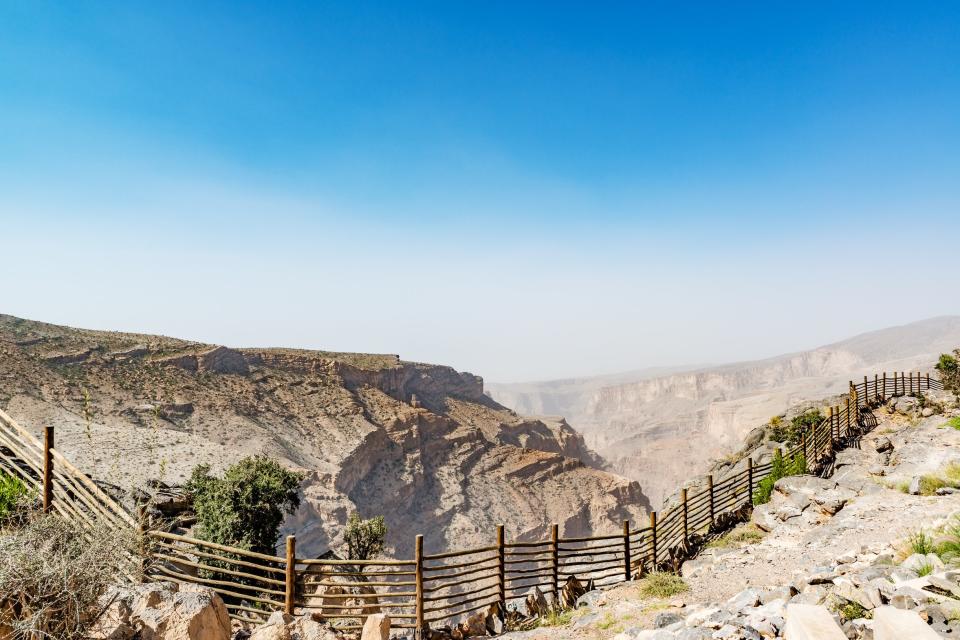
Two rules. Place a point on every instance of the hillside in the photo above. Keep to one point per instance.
(637, 424)
(418, 443)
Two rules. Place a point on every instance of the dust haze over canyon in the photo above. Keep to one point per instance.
(659, 426)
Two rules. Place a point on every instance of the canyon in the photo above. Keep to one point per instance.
(661, 426)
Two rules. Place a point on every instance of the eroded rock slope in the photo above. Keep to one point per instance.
(418, 443)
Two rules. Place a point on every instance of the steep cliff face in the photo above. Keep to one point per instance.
(418, 443)
(661, 428)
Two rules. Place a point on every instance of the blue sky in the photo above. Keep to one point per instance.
(524, 190)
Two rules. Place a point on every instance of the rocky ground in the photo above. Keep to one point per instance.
(420, 444)
(843, 542)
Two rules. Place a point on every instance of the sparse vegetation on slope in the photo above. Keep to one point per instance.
(949, 369)
(780, 468)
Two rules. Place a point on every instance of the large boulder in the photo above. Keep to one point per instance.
(163, 611)
(280, 626)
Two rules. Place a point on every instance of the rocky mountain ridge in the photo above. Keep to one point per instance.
(421, 444)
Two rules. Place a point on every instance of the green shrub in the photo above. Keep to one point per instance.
(364, 538)
(925, 569)
(949, 369)
(13, 493)
(853, 611)
(793, 432)
(661, 584)
(245, 507)
(953, 423)
(921, 543)
(780, 468)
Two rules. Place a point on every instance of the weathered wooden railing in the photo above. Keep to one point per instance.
(438, 588)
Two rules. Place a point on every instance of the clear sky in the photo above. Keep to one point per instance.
(522, 190)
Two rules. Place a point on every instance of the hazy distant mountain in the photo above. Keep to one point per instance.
(656, 428)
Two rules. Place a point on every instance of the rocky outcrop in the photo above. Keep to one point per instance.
(162, 611)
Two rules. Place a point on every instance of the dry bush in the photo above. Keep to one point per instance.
(52, 575)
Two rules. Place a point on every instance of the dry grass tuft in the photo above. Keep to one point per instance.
(52, 576)
(661, 585)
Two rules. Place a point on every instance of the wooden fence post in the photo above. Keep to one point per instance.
(884, 396)
(501, 570)
(418, 560)
(848, 413)
(48, 445)
(803, 438)
(866, 391)
(291, 576)
(626, 550)
(749, 481)
(831, 428)
(555, 562)
(710, 488)
(686, 519)
(814, 453)
(928, 382)
(653, 539)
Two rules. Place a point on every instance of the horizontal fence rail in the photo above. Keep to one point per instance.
(440, 588)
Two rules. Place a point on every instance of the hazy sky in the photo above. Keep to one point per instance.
(520, 190)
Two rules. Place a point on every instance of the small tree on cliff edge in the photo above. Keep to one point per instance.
(949, 368)
(364, 538)
(245, 507)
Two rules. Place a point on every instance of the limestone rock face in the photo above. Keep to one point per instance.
(163, 611)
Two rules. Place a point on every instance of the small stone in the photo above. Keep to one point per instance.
(883, 444)
(666, 619)
(914, 488)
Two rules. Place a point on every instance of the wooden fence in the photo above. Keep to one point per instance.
(437, 589)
